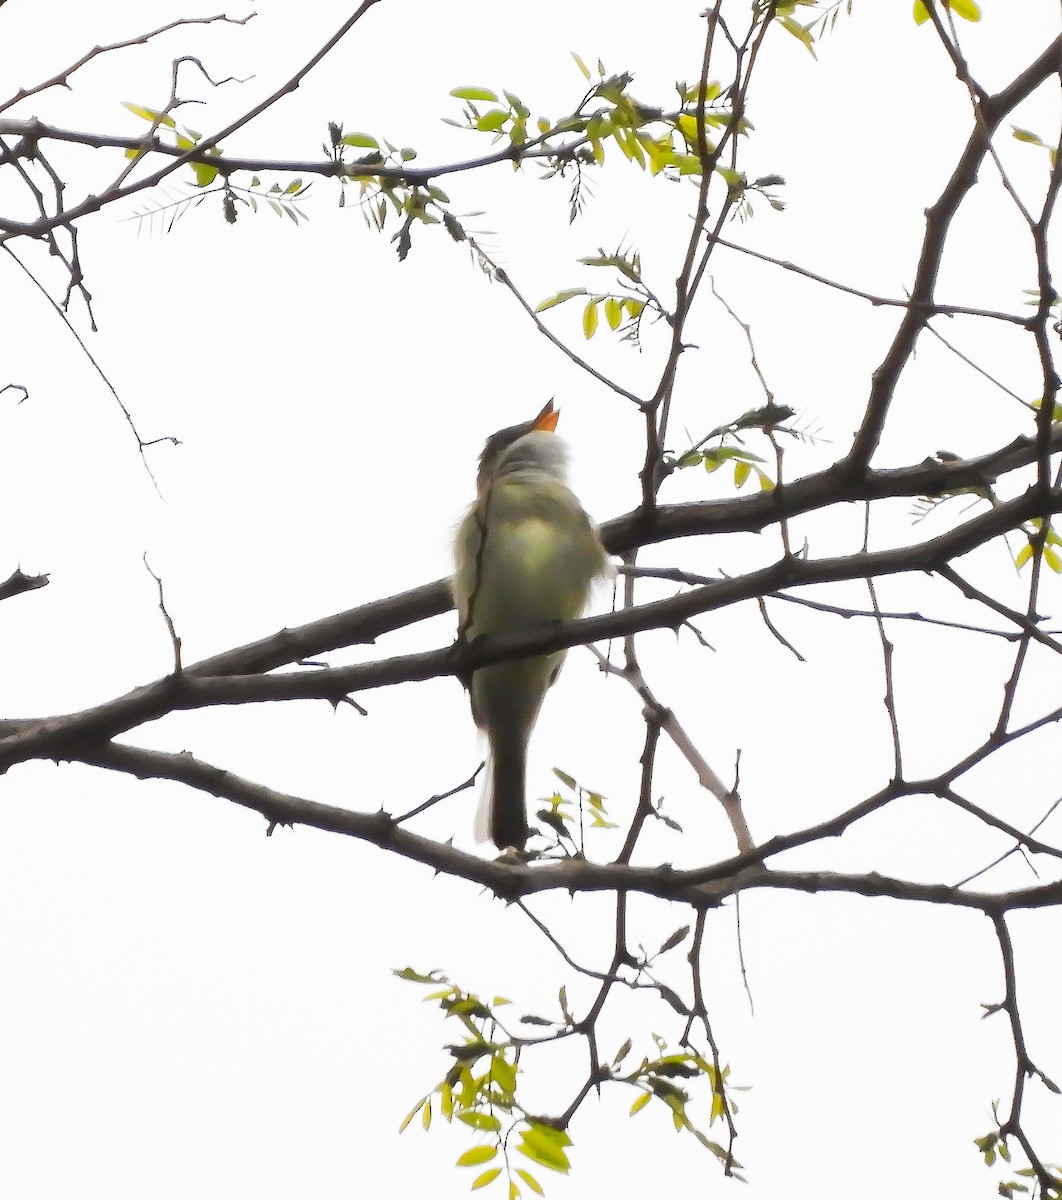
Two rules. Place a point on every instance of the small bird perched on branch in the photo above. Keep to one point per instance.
(525, 556)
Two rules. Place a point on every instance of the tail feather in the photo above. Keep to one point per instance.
(502, 814)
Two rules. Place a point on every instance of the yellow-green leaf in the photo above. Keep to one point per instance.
(477, 1156)
(741, 473)
(559, 298)
(1024, 554)
(800, 32)
(365, 140)
(581, 65)
(425, 1116)
(613, 312)
(480, 1120)
(475, 93)
(546, 1156)
(531, 1181)
(493, 120)
(687, 164)
(546, 1133)
(204, 174)
(487, 1177)
(966, 9)
(641, 1102)
(590, 319)
(503, 1074)
(411, 1114)
(1026, 135)
(1052, 560)
(150, 114)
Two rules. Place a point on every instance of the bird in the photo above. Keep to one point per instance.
(525, 556)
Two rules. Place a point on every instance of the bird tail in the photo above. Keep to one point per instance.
(502, 814)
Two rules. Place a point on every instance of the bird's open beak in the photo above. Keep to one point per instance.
(547, 419)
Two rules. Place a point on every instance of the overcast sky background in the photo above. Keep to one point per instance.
(189, 1008)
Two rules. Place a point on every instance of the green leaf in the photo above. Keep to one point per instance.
(503, 1074)
(477, 1156)
(641, 1102)
(545, 1135)
(150, 114)
(735, 180)
(360, 139)
(966, 9)
(412, 1113)
(590, 318)
(487, 1177)
(545, 1155)
(493, 120)
(687, 164)
(417, 977)
(531, 1181)
(800, 32)
(487, 1122)
(205, 174)
(475, 93)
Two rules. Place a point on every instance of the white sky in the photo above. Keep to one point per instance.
(190, 1008)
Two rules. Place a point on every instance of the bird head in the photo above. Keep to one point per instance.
(529, 446)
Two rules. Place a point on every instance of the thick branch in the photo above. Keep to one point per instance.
(509, 878)
(58, 736)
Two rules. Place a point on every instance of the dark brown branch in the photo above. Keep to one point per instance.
(509, 878)
(18, 582)
(938, 221)
(55, 736)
